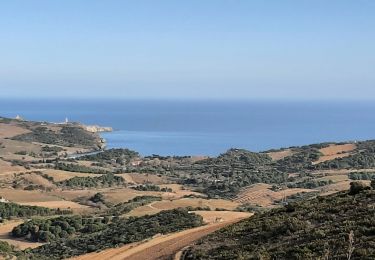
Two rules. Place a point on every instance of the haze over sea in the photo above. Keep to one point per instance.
(207, 127)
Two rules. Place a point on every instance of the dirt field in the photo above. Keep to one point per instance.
(24, 196)
(18, 243)
(6, 167)
(211, 217)
(72, 194)
(158, 206)
(161, 247)
(139, 178)
(124, 194)
(62, 204)
(59, 175)
(280, 155)
(178, 191)
(12, 146)
(11, 130)
(335, 151)
(261, 195)
(335, 178)
(38, 180)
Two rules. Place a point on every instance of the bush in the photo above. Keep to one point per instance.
(356, 187)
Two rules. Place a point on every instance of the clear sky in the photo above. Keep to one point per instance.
(316, 49)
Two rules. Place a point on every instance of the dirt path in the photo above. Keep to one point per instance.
(161, 247)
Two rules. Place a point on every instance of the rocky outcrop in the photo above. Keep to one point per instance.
(97, 129)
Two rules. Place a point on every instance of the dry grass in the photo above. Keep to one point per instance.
(158, 206)
(38, 180)
(72, 194)
(6, 168)
(260, 194)
(11, 130)
(18, 243)
(178, 191)
(280, 155)
(140, 178)
(334, 151)
(335, 178)
(211, 217)
(61, 204)
(59, 175)
(340, 186)
(24, 196)
(124, 194)
(13, 146)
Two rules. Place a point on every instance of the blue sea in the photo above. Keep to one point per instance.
(206, 127)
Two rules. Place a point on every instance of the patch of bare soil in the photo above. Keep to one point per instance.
(158, 206)
(280, 154)
(38, 180)
(6, 167)
(58, 204)
(178, 191)
(340, 186)
(59, 175)
(335, 151)
(140, 178)
(261, 194)
(25, 196)
(11, 130)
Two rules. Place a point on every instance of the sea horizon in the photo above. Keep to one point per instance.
(206, 127)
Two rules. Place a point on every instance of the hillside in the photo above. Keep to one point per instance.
(331, 227)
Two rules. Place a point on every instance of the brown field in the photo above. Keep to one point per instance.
(6, 167)
(140, 178)
(261, 195)
(331, 172)
(335, 187)
(38, 180)
(335, 178)
(280, 155)
(24, 196)
(211, 217)
(12, 146)
(335, 151)
(60, 204)
(340, 186)
(11, 130)
(72, 194)
(164, 246)
(124, 194)
(59, 175)
(158, 206)
(178, 191)
(18, 243)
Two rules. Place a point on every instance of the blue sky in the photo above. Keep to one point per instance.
(188, 49)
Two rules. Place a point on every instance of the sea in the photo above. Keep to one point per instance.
(186, 127)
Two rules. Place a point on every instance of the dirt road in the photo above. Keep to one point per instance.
(161, 247)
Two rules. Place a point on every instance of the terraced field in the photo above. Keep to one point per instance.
(262, 195)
